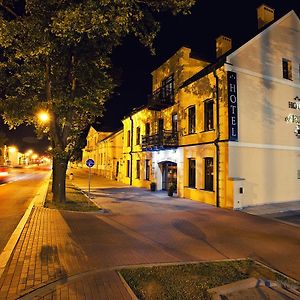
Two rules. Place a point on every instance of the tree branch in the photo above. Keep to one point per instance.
(8, 9)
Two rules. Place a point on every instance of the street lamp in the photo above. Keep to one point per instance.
(12, 149)
(29, 152)
(35, 156)
(44, 116)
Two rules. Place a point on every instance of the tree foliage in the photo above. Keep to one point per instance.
(55, 56)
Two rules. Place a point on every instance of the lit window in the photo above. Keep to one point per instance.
(209, 173)
(287, 69)
(192, 119)
(192, 173)
(208, 115)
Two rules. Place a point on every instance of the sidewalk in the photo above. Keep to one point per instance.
(47, 262)
(75, 255)
(286, 212)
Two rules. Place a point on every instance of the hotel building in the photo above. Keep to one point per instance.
(224, 132)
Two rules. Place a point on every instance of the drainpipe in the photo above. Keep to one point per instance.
(216, 142)
(131, 147)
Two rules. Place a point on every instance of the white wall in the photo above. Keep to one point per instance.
(267, 155)
(173, 155)
(270, 174)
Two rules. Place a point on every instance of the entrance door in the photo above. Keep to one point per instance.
(169, 175)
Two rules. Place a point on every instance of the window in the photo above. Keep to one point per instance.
(147, 129)
(192, 173)
(192, 119)
(147, 173)
(167, 88)
(209, 173)
(287, 69)
(138, 135)
(128, 138)
(160, 127)
(138, 169)
(128, 168)
(208, 115)
(174, 123)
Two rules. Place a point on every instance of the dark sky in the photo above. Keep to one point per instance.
(208, 20)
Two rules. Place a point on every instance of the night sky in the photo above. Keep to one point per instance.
(208, 20)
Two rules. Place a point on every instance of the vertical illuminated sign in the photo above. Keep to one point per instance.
(232, 107)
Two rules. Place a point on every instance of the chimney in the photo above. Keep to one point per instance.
(265, 15)
(223, 44)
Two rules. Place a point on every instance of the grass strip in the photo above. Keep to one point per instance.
(75, 200)
(192, 281)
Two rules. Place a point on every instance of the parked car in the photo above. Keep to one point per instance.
(4, 174)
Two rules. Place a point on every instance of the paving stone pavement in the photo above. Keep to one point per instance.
(46, 257)
(73, 255)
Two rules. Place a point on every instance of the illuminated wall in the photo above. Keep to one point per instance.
(250, 145)
(266, 157)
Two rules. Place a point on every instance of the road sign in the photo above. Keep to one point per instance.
(89, 162)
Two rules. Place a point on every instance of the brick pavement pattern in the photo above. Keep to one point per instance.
(73, 255)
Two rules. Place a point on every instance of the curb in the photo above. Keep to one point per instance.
(38, 200)
(127, 287)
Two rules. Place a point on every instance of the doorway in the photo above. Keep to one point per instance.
(169, 174)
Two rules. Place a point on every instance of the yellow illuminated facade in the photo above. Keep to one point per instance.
(223, 133)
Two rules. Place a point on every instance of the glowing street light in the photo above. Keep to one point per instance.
(34, 156)
(43, 116)
(29, 152)
(12, 149)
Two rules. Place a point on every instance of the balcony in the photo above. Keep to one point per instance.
(160, 99)
(160, 141)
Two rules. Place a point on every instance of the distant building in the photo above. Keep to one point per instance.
(224, 133)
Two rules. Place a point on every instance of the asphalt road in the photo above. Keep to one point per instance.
(15, 196)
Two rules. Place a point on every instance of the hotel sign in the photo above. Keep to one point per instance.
(232, 107)
(292, 118)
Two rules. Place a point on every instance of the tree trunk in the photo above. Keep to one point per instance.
(53, 175)
(59, 180)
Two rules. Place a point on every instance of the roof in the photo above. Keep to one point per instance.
(120, 130)
(135, 110)
(100, 128)
(222, 59)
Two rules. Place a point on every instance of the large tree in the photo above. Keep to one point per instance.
(55, 56)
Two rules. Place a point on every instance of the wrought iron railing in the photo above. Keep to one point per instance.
(163, 140)
(160, 99)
